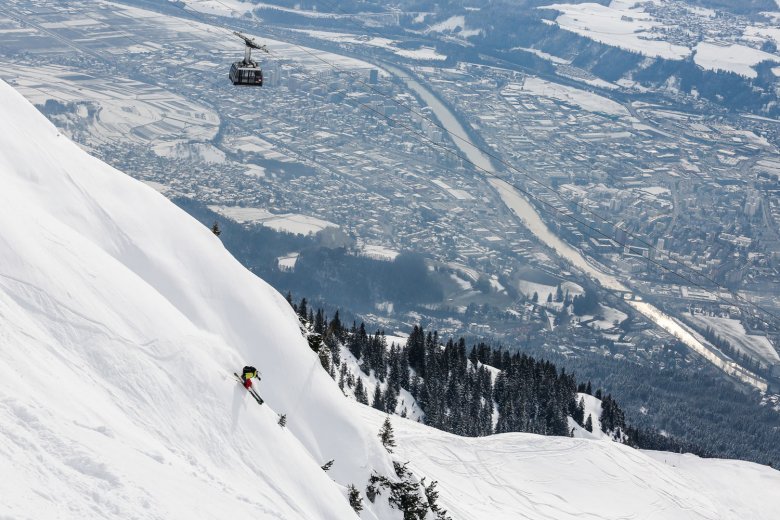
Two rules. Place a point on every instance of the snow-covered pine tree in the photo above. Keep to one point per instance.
(579, 412)
(355, 500)
(378, 402)
(386, 435)
(360, 392)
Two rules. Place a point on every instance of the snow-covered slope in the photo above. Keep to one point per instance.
(511, 476)
(121, 320)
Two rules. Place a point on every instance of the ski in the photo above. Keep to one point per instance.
(250, 390)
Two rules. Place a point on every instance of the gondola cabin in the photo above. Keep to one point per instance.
(247, 71)
(242, 73)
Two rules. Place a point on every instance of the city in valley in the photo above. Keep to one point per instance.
(361, 140)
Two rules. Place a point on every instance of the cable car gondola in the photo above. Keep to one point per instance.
(247, 71)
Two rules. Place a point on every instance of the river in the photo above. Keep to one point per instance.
(530, 218)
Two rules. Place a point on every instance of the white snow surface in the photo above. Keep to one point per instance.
(287, 222)
(734, 332)
(121, 319)
(511, 476)
(736, 58)
(626, 24)
(221, 7)
(455, 24)
(592, 409)
(422, 53)
(621, 24)
(573, 96)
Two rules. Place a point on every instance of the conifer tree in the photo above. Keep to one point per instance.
(390, 399)
(579, 413)
(303, 310)
(332, 342)
(473, 356)
(378, 402)
(336, 327)
(319, 322)
(589, 423)
(360, 392)
(386, 435)
(342, 376)
(355, 500)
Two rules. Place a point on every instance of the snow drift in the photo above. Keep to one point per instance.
(121, 321)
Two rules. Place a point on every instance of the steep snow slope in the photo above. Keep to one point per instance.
(511, 476)
(121, 320)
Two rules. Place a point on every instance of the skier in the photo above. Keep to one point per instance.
(246, 379)
(247, 374)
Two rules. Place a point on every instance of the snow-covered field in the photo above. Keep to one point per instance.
(379, 252)
(289, 222)
(455, 25)
(627, 24)
(608, 317)
(457, 194)
(287, 262)
(732, 330)
(731, 57)
(422, 53)
(544, 55)
(621, 24)
(121, 320)
(221, 7)
(543, 290)
(136, 112)
(581, 98)
(242, 7)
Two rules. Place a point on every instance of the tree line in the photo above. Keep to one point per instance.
(471, 391)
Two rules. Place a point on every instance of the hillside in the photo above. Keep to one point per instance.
(511, 476)
(121, 320)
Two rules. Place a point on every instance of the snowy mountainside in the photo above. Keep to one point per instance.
(520, 475)
(121, 320)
